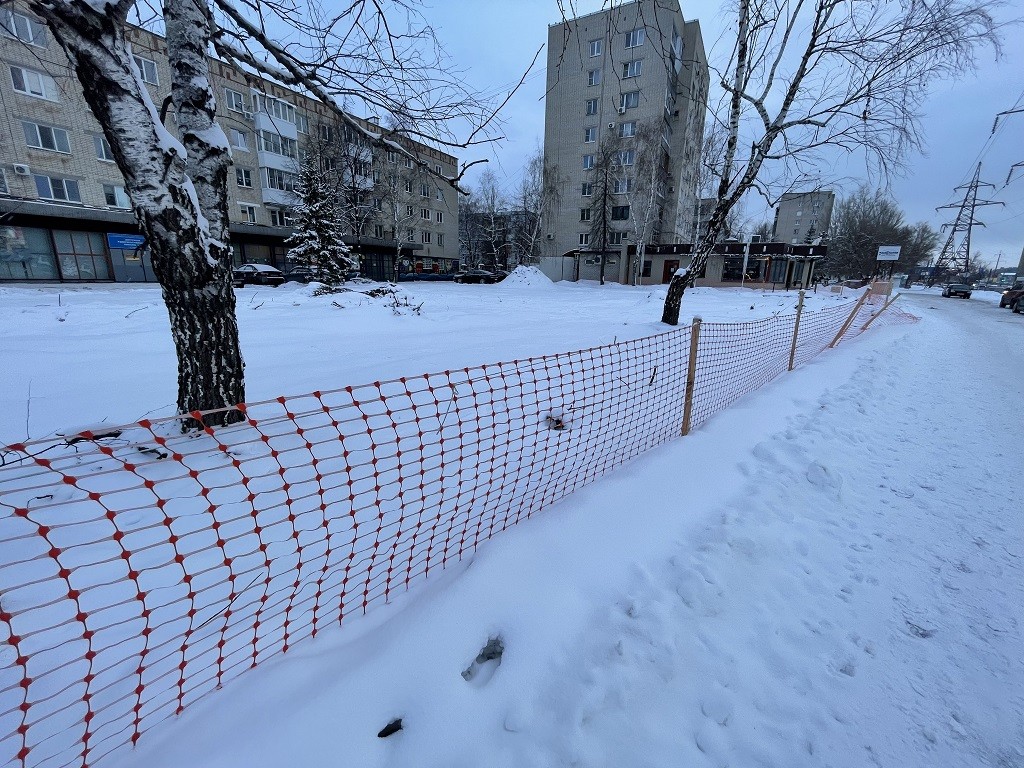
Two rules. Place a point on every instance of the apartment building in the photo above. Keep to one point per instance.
(636, 69)
(803, 217)
(65, 216)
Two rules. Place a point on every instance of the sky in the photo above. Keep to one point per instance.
(493, 42)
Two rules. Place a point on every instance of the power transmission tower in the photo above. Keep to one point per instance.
(955, 257)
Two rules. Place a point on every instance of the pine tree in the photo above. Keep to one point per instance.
(316, 243)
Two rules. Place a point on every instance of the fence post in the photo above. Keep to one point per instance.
(691, 372)
(796, 330)
(856, 309)
(879, 312)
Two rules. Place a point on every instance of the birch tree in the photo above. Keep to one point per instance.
(805, 78)
(377, 53)
(644, 190)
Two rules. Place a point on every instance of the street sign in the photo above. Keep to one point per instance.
(888, 253)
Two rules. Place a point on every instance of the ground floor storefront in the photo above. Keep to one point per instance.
(47, 243)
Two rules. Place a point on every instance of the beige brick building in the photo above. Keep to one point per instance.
(802, 217)
(638, 63)
(64, 214)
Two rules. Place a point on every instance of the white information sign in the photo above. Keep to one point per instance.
(888, 253)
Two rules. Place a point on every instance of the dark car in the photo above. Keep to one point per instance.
(1011, 296)
(957, 289)
(298, 275)
(256, 274)
(476, 276)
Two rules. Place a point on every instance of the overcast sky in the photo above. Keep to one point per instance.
(493, 41)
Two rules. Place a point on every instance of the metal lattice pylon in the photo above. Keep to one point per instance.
(955, 257)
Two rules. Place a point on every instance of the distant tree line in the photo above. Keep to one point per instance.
(863, 221)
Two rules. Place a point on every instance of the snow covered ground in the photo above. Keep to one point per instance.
(828, 573)
(85, 354)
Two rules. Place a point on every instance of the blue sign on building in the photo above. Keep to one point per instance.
(125, 242)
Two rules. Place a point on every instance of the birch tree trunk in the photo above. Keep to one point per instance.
(189, 250)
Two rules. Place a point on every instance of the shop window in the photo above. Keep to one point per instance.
(81, 255)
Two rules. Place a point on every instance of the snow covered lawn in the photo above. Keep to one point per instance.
(85, 354)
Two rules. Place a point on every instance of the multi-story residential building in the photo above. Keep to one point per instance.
(65, 216)
(635, 70)
(498, 240)
(803, 217)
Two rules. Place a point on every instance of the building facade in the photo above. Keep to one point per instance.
(65, 215)
(623, 84)
(803, 217)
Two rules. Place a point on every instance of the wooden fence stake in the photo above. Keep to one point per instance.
(877, 314)
(849, 320)
(796, 331)
(691, 372)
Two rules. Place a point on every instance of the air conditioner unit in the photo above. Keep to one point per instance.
(622, 110)
(22, 170)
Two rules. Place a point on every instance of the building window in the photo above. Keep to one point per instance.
(591, 106)
(630, 100)
(282, 110)
(46, 137)
(594, 77)
(408, 187)
(378, 231)
(325, 133)
(589, 135)
(635, 38)
(116, 197)
(440, 217)
(54, 188)
(616, 238)
(596, 46)
(235, 100)
(301, 123)
(584, 214)
(410, 235)
(424, 237)
(588, 162)
(620, 212)
(425, 214)
(278, 145)
(281, 217)
(147, 70)
(584, 238)
(280, 180)
(646, 271)
(103, 151)
(248, 213)
(329, 164)
(438, 171)
(627, 129)
(32, 83)
(625, 157)
(424, 190)
(588, 189)
(23, 28)
(438, 194)
(238, 139)
(440, 239)
(622, 186)
(631, 68)
(244, 177)
(392, 156)
(408, 162)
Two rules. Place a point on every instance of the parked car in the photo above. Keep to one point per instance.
(957, 289)
(476, 276)
(298, 275)
(501, 274)
(256, 274)
(1012, 295)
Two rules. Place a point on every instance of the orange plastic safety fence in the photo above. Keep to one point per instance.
(141, 568)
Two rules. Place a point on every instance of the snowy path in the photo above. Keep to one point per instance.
(831, 573)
